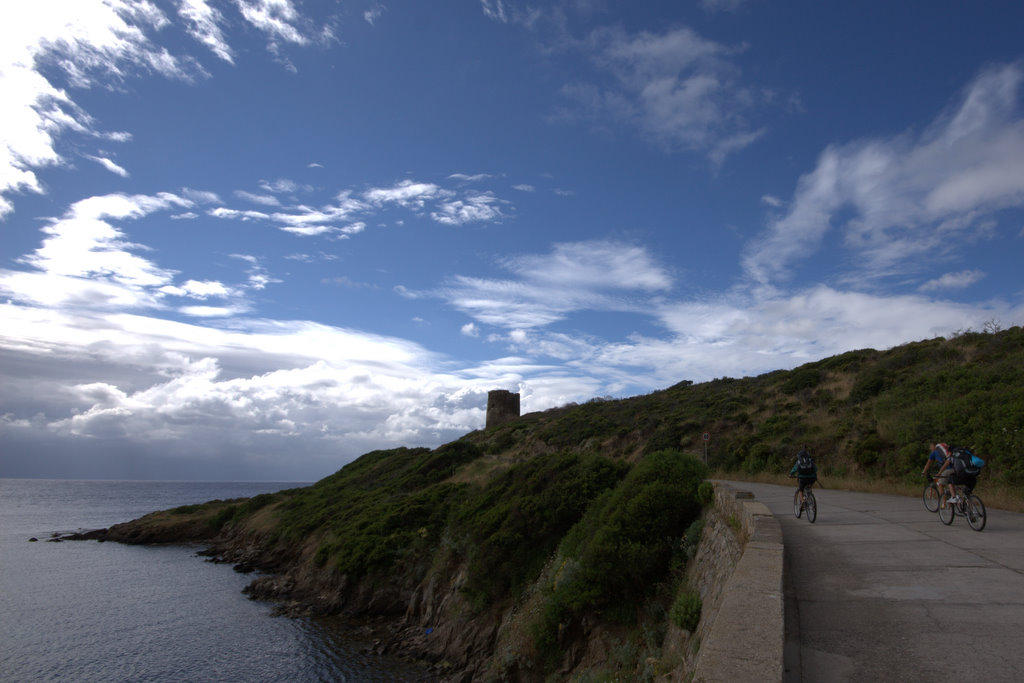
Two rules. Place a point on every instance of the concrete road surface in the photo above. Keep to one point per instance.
(878, 589)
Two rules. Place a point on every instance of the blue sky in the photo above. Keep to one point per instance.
(254, 239)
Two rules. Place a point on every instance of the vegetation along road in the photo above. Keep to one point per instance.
(878, 589)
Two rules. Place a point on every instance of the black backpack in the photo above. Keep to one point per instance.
(963, 462)
(804, 464)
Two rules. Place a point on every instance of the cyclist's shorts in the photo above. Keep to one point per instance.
(805, 483)
(966, 480)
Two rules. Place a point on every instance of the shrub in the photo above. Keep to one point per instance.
(623, 545)
(685, 612)
(515, 523)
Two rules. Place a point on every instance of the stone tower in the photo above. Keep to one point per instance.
(502, 406)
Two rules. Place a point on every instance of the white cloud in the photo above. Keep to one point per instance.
(407, 193)
(913, 199)
(675, 87)
(741, 335)
(237, 214)
(198, 289)
(470, 178)
(281, 186)
(82, 244)
(45, 46)
(87, 262)
(277, 18)
(371, 15)
(336, 392)
(83, 40)
(494, 9)
(213, 311)
(573, 277)
(470, 330)
(346, 215)
(960, 280)
(482, 207)
(595, 265)
(204, 24)
(201, 196)
(264, 199)
(109, 165)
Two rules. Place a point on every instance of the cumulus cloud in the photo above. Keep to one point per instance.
(907, 201)
(343, 391)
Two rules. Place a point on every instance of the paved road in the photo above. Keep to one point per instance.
(879, 590)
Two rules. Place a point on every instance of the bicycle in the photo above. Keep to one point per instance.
(809, 504)
(932, 494)
(969, 506)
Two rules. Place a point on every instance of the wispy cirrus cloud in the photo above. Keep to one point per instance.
(349, 211)
(264, 199)
(948, 281)
(678, 88)
(903, 203)
(103, 43)
(204, 23)
(109, 164)
(597, 275)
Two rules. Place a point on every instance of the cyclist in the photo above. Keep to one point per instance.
(940, 452)
(960, 472)
(805, 471)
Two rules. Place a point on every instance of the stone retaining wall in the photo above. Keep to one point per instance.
(738, 572)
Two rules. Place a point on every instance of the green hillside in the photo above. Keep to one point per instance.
(589, 511)
(867, 413)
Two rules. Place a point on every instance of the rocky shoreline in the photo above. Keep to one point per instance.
(428, 623)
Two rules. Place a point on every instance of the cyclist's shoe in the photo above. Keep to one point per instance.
(954, 499)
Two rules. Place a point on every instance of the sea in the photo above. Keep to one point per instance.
(88, 611)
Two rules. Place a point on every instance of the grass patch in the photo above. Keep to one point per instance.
(997, 496)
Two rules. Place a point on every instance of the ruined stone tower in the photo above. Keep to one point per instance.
(502, 406)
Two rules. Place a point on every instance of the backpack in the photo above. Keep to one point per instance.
(804, 464)
(965, 462)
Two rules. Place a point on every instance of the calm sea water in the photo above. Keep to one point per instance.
(89, 611)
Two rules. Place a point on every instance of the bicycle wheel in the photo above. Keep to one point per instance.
(812, 507)
(797, 508)
(931, 497)
(946, 511)
(976, 516)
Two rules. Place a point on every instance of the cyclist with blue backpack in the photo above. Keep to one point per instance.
(964, 468)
